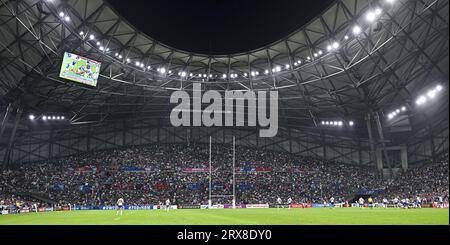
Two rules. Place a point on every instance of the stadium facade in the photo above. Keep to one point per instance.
(350, 83)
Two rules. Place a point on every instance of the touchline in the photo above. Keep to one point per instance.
(189, 112)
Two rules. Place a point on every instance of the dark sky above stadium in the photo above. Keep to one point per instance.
(219, 26)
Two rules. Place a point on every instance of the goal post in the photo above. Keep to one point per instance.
(210, 197)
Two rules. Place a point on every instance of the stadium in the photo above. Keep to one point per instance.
(343, 121)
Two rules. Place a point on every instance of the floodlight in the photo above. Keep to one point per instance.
(378, 11)
(371, 16)
(432, 94)
(32, 117)
(357, 30)
(335, 45)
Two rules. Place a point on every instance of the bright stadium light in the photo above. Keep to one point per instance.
(63, 118)
(82, 33)
(91, 37)
(335, 45)
(378, 11)
(44, 118)
(346, 37)
(371, 16)
(439, 88)
(67, 18)
(266, 72)
(320, 52)
(163, 70)
(287, 66)
(351, 123)
(32, 117)
(278, 68)
(61, 14)
(422, 100)
(432, 94)
(390, 1)
(357, 30)
(404, 108)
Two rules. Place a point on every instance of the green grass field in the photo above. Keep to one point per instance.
(237, 217)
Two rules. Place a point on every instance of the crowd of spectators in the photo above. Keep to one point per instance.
(151, 174)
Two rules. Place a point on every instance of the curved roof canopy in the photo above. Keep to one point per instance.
(355, 57)
(221, 26)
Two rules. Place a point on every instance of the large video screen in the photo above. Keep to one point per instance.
(80, 69)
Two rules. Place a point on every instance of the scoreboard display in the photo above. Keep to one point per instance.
(80, 69)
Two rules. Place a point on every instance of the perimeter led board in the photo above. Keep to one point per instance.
(80, 69)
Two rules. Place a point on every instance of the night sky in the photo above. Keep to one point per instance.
(219, 26)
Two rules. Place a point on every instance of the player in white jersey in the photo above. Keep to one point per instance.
(290, 202)
(279, 202)
(361, 202)
(396, 202)
(332, 204)
(167, 205)
(385, 203)
(120, 207)
(418, 202)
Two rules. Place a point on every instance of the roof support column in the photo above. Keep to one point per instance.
(7, 156)
(5, 119)
(373, 156)
(383, 143)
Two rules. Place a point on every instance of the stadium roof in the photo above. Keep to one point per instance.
(358, 56)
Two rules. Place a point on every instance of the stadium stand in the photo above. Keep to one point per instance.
(151, 174)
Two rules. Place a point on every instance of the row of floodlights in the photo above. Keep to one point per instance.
(47, 118)
(337, 123)
(397, 112)
(370, 16)
(422, 100)
(430, 95)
